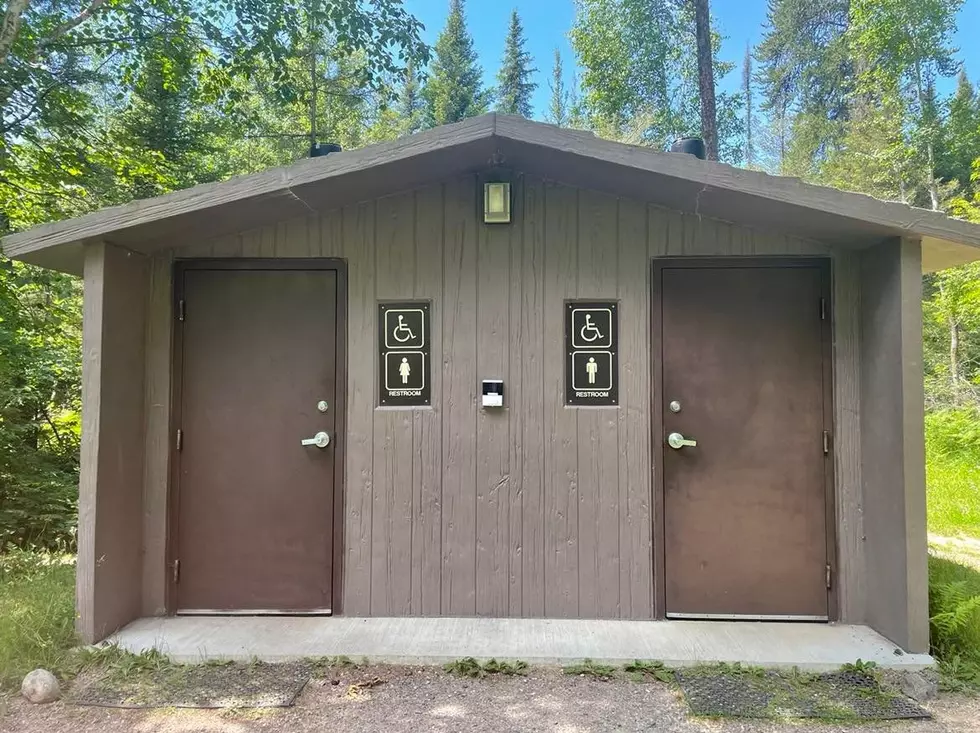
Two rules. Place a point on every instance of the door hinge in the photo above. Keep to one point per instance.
(826, 442)
(177, 571)
(823, 309)
(180, 439)
(181, 310)
(829, 576)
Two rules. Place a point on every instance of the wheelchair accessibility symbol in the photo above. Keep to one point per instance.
(591, 328)
(404, 329)
(589, 332)
(402, 333)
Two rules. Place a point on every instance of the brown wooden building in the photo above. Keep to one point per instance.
(636, 302)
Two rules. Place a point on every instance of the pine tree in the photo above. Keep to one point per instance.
(411, 106)
(961, 134)
(806, 74)
(747, 91)
(454, 90)
(514, 85)
(558, 112)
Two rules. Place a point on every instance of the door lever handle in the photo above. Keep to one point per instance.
(678, 441)
(320, 440)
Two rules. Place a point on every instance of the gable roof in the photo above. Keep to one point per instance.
(573, 157)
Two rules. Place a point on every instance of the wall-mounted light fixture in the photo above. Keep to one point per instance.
(496, 202)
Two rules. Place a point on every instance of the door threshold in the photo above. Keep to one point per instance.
(251, 612)
(743, 617)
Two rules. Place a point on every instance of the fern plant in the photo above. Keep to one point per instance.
(961, 612)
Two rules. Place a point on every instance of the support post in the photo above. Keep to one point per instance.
(892, 443)
(108, 574)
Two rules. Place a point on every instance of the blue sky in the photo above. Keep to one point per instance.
(546, 23)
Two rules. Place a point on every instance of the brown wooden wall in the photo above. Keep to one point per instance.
(538, 509)
(111, 473)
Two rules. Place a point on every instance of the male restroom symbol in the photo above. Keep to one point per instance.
(591, 369)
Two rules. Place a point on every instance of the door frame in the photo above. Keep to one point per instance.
(657, 266)
(339, 442)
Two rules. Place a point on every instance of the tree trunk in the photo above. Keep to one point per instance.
(706, 78)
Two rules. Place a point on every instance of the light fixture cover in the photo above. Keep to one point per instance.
(496, 202)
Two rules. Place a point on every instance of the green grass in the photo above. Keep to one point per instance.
(37, 616)
(953, 472)
(953, 495)
(953, 504)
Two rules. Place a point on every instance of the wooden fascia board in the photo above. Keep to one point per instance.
(271, 183)
(897, 218)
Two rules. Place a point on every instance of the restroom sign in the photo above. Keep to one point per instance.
(403, 339)
(591, 344)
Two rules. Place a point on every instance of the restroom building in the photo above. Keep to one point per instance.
(504, 369)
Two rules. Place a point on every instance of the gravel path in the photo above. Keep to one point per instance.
(426, 699)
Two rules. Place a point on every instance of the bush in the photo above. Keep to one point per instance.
(38, 508)
(954, 610)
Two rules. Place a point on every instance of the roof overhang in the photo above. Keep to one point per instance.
(577, 158)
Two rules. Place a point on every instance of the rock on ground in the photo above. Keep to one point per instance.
(40, 686)
(920, 686)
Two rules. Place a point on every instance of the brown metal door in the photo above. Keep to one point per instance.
(255, 524)
(745, 510)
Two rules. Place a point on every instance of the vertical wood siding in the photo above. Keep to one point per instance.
(537, 509)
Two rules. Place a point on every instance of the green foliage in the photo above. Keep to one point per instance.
(807, 74)
(514, 85)
(954, 610)
(40, 381)
(470, 667)
(589, 668)
(959, 147)
(860, 667)
(454, 89)
(37, 615)
(639, 74)
(641, 671)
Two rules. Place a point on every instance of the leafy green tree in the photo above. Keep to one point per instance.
(640, 73)
(559, 101)
(54, 55)
(514, 85)
(40, 380)
(454, 88)
(951, 331)
(967, 205)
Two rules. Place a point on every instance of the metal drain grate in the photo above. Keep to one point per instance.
(757, 694)
(258, 685)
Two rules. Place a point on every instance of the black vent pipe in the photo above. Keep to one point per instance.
(318, 150)
(690, 145)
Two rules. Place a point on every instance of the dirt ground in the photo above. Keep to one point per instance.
(427, 699)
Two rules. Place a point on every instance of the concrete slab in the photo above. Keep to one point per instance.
(814, 647)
